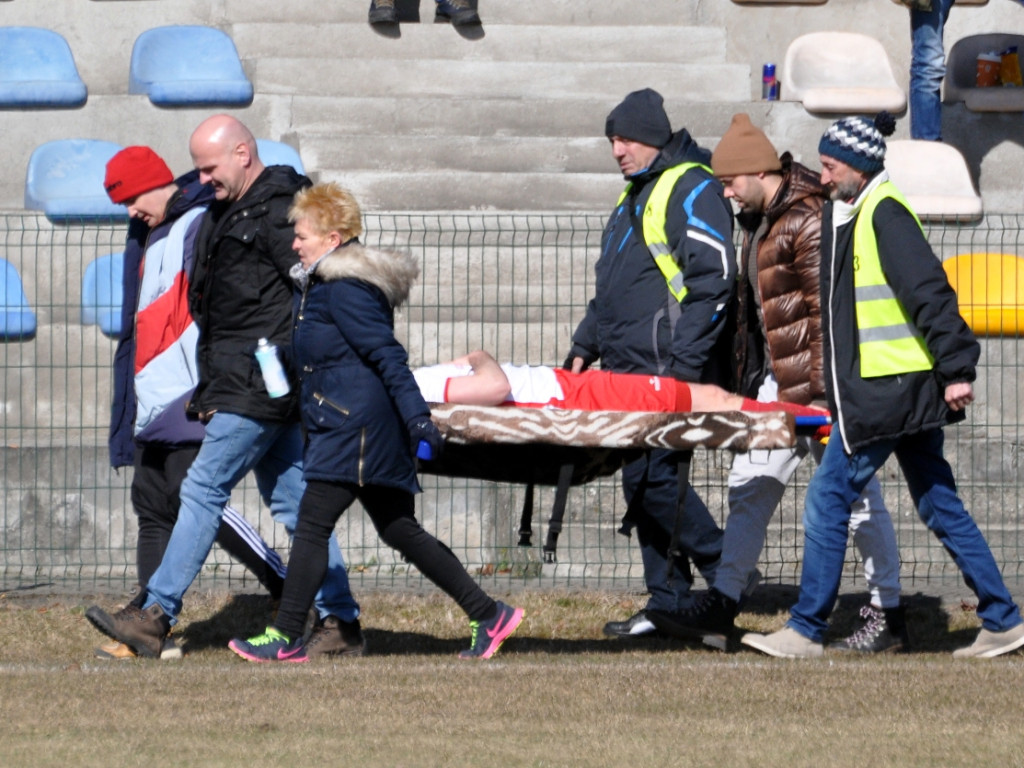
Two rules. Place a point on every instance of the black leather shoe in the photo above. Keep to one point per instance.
(636, 625)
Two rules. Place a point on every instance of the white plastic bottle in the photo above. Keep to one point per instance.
(274, 377)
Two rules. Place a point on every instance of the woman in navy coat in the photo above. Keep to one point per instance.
(364, 417)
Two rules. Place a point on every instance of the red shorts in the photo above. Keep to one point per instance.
(606, 391)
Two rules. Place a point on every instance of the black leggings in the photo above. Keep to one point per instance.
(392, 512)
(155, 486)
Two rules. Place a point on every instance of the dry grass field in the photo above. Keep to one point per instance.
(559, 694)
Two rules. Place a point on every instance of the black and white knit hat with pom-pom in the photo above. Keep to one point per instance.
(858, 141)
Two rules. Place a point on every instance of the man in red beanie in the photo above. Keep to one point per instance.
(778, 356)
(239, 292)
(155, 370)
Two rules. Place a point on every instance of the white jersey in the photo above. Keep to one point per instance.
(535, 385)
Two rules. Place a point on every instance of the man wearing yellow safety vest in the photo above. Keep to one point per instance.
(899, 362)
(663, 281)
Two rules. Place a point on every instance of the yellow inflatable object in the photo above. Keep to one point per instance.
(990, 291)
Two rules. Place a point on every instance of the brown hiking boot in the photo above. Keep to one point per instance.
(144, 631)
(334, 637)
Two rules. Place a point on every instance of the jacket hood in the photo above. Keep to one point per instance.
(393, 272)
(799, 183)
(190, 194)
(681, 148)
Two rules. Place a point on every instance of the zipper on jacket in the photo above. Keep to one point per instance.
(362, 454)
(321, 401)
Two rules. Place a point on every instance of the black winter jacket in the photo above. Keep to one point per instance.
(241, 291)
(887, 407)
(631, 323)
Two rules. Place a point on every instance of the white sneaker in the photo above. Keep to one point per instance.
(785, 644)
(988, 644)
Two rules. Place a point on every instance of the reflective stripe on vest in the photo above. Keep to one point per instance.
(655, 215)
(889, 342)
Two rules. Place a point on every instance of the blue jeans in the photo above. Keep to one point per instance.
(837, 484)
(927, 68)
(700, 539)
(235, 445)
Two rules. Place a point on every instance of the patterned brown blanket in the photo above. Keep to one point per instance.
(530, 445)
(732, 430)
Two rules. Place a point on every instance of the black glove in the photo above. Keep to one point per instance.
(573, 354)
(423, 430)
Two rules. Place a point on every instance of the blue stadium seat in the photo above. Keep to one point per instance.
(17, 320)
(37, 70)
(103, 294)
(65, 180)
(185, 65)
(279, 153)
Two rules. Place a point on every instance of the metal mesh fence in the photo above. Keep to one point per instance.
(514, 284)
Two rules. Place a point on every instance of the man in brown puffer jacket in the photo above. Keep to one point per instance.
(778, 356)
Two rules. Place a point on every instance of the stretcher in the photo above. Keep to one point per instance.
(564, 448)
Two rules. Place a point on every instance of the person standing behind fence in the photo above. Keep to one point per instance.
(662, 285)
(459, 12)
(365, 420)
(927, 66)
(155, 370)
(899, 365)
(240, 292)
(778, 355)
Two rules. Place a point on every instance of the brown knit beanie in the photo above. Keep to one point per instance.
(744, 149)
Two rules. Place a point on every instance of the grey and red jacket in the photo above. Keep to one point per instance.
(154, 363)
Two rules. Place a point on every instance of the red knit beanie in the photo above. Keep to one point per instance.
(134, 171)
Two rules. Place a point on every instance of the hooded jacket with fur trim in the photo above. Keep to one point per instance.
(356, 390)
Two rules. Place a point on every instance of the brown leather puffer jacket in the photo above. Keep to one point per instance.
(788, 243)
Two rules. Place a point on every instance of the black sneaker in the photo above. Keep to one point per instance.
(459, 12)
(334, 637)
(710, 620)
(383, 12)
(636, 625)
(884, 631)
(144, 631)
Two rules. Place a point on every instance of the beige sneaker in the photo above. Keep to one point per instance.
(988, 644)
(114, 650)
(787, 643)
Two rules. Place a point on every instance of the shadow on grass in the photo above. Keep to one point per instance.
(247, 615)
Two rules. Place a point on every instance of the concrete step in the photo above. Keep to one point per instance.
(528, 12)
(504, 42)
(689, 83)
(469, 191)
(492, 154)
(500, 117)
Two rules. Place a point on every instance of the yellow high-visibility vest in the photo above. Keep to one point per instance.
(655, 215)
(889, 343)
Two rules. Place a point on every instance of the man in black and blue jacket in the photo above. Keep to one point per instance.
(662, 283)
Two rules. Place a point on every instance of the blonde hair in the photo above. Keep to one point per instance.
(328, 208)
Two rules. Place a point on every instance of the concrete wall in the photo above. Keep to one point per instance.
(508, 116)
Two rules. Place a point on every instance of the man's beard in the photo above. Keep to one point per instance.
(846, 190)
